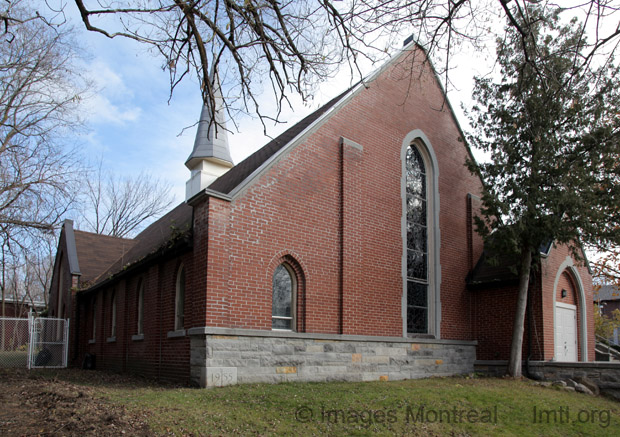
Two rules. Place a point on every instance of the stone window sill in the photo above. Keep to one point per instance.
(92, 341)
(111, 340)
(176, 334)
(137, 337)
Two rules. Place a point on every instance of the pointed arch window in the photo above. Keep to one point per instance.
(94, 307)
(417, 243)
(113, 317)
(284, 291)
(140, 320)
(179, 319)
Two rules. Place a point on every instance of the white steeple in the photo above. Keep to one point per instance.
(211, 155)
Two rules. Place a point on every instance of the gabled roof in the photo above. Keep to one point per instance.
(236, 175)
(96, 253)
(495, 269)
(158, 236)
(230, 183)
(502, 270)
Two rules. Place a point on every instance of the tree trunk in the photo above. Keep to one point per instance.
(514, 365)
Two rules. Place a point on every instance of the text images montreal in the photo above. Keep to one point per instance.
(408, 414)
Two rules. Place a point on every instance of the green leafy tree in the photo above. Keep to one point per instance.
(552, 129)
(604, 326)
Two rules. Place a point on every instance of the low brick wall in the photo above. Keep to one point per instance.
(229, 356)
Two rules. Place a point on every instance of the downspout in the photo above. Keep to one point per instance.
(341, 248)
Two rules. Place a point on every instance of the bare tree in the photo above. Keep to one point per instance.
(291, 45)
(606, 267)
(119, 206)
(39, 99)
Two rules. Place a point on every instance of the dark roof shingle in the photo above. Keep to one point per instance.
(236, 175)
(172, 225)
(96, 253)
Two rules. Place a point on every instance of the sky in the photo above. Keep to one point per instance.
(134, 127)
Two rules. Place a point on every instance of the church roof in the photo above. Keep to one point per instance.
(493, 269)
(177, 224)
(96, 252)
(159, 236)
(236, 175)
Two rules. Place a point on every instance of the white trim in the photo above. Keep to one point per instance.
(239, 332)
(434, 239)
(566, 305)
(582, 321)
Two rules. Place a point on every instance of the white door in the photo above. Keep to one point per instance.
(565, 332)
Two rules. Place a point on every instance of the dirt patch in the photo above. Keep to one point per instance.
(34, 404)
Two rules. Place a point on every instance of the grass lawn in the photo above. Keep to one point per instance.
(13, 358)
(437, 406)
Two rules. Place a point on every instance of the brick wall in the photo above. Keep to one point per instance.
(296, 207)
(155, 353)
(332, 207)
(494, 310)
(550, 270)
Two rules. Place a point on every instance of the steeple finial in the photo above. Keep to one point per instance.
(211, 136)
(210, 157)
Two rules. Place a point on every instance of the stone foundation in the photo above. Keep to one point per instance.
(606, 375)
(222, 356)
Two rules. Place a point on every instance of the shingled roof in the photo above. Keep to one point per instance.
(97, 252)
(179, 221)
(230, 180)
(159, 235)
(493, 270)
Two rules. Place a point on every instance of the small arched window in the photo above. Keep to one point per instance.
(284, 290)
(140, 307)
(417, 243)
(179, 319)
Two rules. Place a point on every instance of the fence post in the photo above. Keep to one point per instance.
(66, 342)
(30, 342)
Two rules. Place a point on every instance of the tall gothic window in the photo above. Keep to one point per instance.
(283, 303)
(417, 243)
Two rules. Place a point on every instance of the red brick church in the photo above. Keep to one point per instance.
(341, 250)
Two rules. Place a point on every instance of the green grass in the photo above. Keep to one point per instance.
(373, 408)
(13, 358)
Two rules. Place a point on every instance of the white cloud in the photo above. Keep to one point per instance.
(101, 110)
(112, 100)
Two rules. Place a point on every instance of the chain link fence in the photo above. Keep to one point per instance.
(14, 342)
(33, 342)
(49, 339)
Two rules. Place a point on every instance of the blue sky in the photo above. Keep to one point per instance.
(132, 127)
